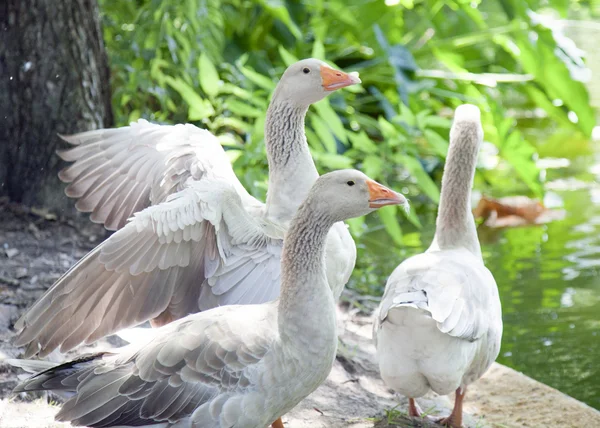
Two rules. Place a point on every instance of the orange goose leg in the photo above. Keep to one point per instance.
(277, 424)
(454, 419)
(413, 408)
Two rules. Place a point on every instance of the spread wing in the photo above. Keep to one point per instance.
(118, 172)
(201, 367)
(452, 285)
(199, 249)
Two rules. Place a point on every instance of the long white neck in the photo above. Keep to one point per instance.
(306, 305)
(455, 226)
(292, 171)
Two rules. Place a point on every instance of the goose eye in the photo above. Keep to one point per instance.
(306, 70)
(350, 183)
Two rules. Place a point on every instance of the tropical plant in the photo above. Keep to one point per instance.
(215, 63)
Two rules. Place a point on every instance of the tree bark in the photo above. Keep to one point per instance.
(54, 78)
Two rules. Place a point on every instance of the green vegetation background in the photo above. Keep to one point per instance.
(215, 63)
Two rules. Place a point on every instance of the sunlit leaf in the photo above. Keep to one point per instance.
(318, 50)
(243, 108)
(286, 56)
(361, 141)
(198, 108)
(330, 117)
(323, 133)
(208, 76)
(372, 165)
(388, 216)
(520, 154)
(332, 160)
(437, 143)
(278, 9)
(258, 79)
(423, 180)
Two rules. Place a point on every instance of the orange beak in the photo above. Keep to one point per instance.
(380, 196)
(334, 79)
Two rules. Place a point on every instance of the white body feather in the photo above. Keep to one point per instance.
(439, 325)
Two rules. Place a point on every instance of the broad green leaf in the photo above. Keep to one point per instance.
(208, 76)
(324, 134)
(421, 118)
(411, 215)
(243, 108)
(198, 108)
(332, 161)
(361, 141)
(386, 128)
(388, 216)
(228, 88)
(415, 168)
(372, 165)
(332, 119)
(539, 57)
(234, 123)
(437, 143)
(318, 50)
(434, 121)
(356, 225)
(407, 115)
(286, 56)
(521, 155)
(258, 79)
(278, 9)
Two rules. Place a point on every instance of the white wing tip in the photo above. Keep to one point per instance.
(467, 113)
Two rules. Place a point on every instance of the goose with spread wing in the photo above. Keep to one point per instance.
(439, 324)
(232, 366)
(192, 244)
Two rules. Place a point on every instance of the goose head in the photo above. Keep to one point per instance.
(310, 80)
(349, 193)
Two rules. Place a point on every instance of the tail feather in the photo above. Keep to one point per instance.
(415, 299)
(63, 377)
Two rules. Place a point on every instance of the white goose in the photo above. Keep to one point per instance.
(439, 323)
(232, 366)
(195, 247)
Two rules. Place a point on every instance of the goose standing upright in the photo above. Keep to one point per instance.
(198, 245)
(439, 323)
(232, 366)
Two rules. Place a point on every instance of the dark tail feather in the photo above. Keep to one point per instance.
(63, 377)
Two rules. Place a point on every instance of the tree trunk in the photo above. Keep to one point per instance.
(54, 78)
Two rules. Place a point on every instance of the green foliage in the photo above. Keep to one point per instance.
(215, 62)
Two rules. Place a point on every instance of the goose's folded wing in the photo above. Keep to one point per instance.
(456, 289)
(120, 171)
(199, 249)
(198, 368)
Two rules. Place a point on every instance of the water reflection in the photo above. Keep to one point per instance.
(549, 281)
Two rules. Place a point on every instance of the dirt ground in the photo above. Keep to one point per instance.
(36, 248)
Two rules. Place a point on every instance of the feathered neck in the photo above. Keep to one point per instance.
(292, 171)
(306, 301)
(455, 226)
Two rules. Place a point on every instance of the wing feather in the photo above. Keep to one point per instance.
(171, 260)
(155, 160)
(453, 286)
